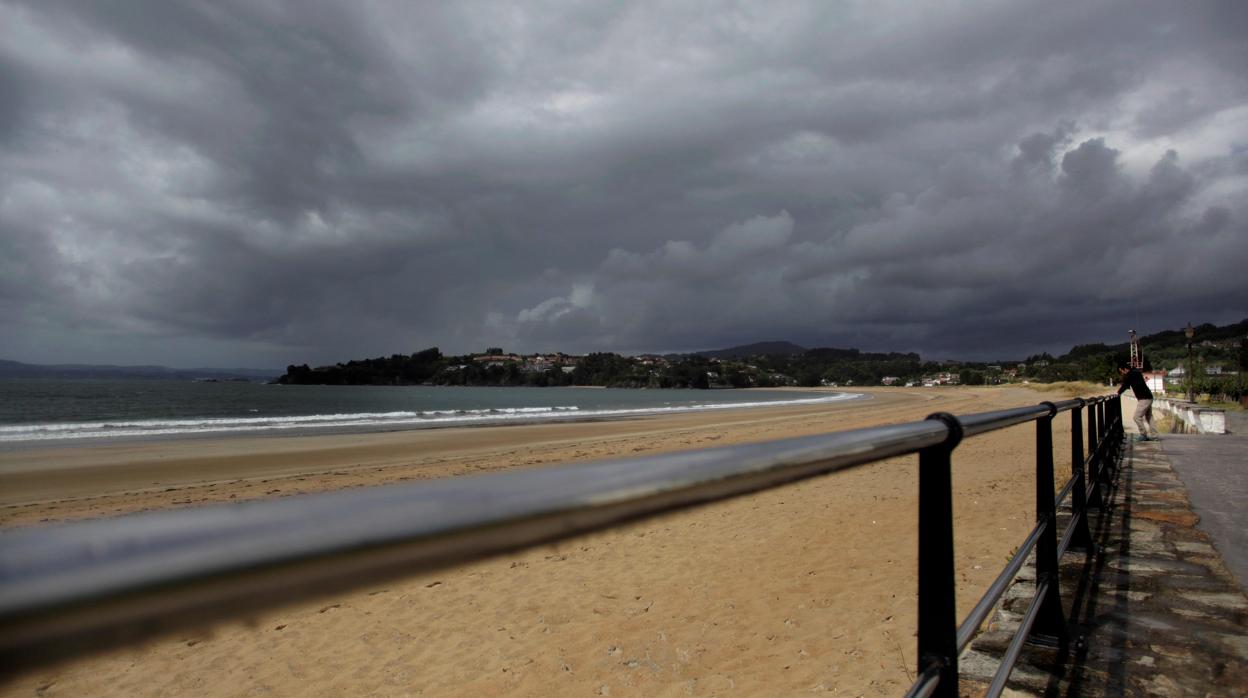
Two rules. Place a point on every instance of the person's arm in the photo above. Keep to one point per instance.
(1123, 386)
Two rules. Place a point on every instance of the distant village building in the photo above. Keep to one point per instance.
(546, 362)
(495, 358)
(889, 380)
(942, 378)
(652, 360)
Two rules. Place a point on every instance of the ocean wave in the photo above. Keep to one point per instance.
(379, 421)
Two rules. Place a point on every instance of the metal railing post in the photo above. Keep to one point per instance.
(1109, 450)
(1112, 443)
(1081, 538)
(1050, 626)
(1117, 428)
(1108, 427)
(938, 628)
(1094, 460)
(1100, 421)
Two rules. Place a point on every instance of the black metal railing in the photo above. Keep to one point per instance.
(73, 588)
(1044, 621)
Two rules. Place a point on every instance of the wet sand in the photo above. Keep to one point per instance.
(804, 589)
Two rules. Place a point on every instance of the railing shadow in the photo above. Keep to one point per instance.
(1099, 591)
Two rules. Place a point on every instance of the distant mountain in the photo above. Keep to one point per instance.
(16, 369)
(756, 349)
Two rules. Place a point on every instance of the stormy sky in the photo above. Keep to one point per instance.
(263, 183)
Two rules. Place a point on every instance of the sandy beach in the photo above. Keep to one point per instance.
(804, 589)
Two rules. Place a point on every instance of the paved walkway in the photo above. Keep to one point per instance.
(1214, 467)
(1154, 612)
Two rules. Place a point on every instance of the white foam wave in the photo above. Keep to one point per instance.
(362, 420)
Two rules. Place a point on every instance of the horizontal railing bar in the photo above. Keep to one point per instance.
(1068, 534)
(69, 588)
(1061, 496)
(1010, 658)
(966, 631)
(1070, 404)
(981, 422)
(927, 682)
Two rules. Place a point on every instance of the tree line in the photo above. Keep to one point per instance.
(607, 369)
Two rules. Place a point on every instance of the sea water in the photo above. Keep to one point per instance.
(50, 411)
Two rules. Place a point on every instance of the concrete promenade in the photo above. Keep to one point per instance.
(1215, 470)
(1153, 612)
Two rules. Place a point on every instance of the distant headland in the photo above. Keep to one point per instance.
(769, 365)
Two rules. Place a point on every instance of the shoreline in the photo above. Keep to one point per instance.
(779, 592)
(69, 470)
(83, 480)
(103, 432)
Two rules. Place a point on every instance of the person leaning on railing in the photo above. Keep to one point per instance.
(1133, 379)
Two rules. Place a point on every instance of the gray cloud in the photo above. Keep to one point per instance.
(978, 252)
(269, 183)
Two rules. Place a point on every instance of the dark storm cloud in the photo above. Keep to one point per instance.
(273, 182)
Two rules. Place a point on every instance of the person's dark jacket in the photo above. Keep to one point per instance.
(1135, 381)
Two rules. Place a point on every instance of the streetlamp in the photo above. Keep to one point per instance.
(1190, 332)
